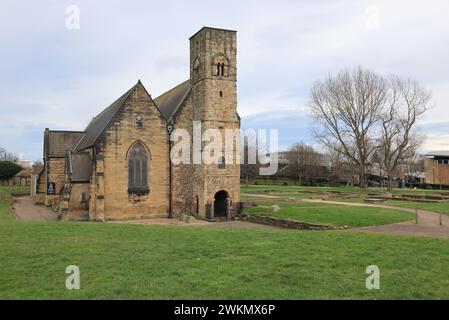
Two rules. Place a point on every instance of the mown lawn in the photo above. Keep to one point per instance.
(440, 207)
(14, 189)
(356, 190)
(336, 215)
(166, 262)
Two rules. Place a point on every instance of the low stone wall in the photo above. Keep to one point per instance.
(286, 223)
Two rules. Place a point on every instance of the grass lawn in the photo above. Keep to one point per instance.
(440, 207)
(14, 189)
(332, 214)
(357, 190)
(166, 262)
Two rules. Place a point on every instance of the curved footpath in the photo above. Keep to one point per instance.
(428, 222)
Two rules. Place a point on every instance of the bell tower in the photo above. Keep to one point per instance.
(213, 75)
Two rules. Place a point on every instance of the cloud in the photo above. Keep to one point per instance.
(59, 78)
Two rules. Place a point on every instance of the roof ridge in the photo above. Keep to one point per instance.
(116, 100)
(98, 129)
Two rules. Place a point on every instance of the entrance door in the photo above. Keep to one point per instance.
(221, 204)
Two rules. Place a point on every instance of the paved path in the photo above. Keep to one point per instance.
(428, 222)
(25, 210)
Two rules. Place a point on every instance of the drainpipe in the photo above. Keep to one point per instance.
(170, 196)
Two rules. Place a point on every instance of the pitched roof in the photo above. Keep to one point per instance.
(98, 124)
(80, 167)
(25, 173)
(169, 102)
(57, 143)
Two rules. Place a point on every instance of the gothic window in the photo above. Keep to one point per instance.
(138, 170)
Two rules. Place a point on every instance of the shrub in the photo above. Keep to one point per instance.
(9, 169)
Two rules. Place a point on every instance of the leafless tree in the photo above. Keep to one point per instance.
(341, 168)
(346, 109)
(303, 161)
(406, 102)
(7, 156)
(248, 169)
(413, 166)
(37, 166)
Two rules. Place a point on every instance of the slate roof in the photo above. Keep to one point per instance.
(57, 143)
(169, 102)
(98, 124)
(80, 167)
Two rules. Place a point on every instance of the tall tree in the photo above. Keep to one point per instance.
(407, 102)
(346, 109)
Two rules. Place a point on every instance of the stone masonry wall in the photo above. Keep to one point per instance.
(214, 98)
(111, 169)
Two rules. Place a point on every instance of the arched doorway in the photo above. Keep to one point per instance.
(221, 204)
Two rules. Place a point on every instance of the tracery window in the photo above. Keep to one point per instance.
(138, 170)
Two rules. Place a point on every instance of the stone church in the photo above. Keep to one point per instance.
(119, 167)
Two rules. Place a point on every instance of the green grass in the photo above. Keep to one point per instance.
(357, 190)
(14, 189)
(332, 214)
(165, 262)
(439, 207)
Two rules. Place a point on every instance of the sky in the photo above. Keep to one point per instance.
(57, 73)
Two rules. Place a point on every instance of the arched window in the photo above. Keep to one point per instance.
(221, 66)
(138, 170)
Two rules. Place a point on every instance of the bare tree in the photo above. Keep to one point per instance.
(7, 156)
(248, 169)
(407, 101)
(303, 161)
(341, 169)
(413, 166)
(37, 166)
(346, 109)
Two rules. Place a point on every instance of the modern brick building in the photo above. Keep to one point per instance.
(119, 167)
(437, 168)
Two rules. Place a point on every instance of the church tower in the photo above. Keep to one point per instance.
(213, 76)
